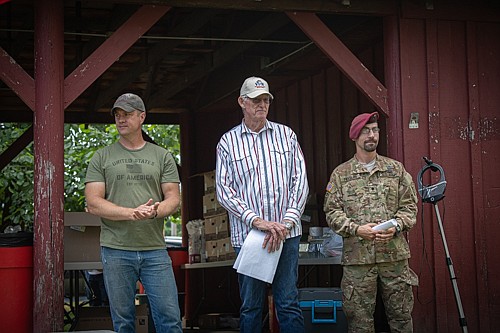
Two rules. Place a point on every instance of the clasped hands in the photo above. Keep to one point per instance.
(149, 210)
(275, 233)
(379, 236)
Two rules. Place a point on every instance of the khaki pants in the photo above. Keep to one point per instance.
(359, 287)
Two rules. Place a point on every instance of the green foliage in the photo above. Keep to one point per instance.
(16, 181)
(80, 143)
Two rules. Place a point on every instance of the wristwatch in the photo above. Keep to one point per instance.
(289, 225)
(398, 229)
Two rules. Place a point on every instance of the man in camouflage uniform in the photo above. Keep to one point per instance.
(362, 192)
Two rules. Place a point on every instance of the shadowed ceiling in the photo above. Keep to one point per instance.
(193, 59)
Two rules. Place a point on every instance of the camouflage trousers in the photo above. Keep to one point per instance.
(394, 280)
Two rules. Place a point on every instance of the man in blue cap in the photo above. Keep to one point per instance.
(362, 192)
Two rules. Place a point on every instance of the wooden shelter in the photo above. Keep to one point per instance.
(432, 68)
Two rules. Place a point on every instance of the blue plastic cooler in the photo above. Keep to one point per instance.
(322, 310)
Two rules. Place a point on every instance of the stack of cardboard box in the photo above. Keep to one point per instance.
(99, 318)
(217, 241)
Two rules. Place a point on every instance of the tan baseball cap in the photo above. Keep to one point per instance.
(255, 86)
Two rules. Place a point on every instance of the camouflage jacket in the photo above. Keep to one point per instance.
(356, 197)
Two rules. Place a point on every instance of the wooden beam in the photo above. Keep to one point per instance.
(345, 60)
(482, 11)
(105, 118)
(16, 147)
(17, 79)
(228, 52)
(364, 7)
(392, 75)
(48, 133)
(478, 174)
(115, 46)
(154, 56)
(76, 117)
(228, 81)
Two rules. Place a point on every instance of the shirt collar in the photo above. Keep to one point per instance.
(267, 126)
(359, 168)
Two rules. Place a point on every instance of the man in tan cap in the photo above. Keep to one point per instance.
(362, 192)
(262, 182)
(133, 185)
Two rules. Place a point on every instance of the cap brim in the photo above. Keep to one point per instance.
(258, 93)
(124, 107)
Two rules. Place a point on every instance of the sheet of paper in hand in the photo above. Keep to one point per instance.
(254, 261)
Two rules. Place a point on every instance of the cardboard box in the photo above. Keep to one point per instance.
(209, 320)
(226, 250)
(322, 310)
(209, 181)
(212, 250)
(218, 321)
(142, 318)
(219, 250)
(211, 206)
(99, 318)
(81, 237)
(217, 227)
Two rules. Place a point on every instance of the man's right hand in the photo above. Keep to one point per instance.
(275, 233)
(366, 232)
(146, 211)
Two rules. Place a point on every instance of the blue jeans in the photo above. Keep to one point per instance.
(122, 270)
(253, 294)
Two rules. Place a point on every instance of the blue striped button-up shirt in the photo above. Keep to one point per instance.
(261, 175)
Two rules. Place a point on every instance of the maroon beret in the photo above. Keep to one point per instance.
(359, 122)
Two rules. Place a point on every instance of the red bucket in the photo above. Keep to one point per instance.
(179, 256)
(16, 279)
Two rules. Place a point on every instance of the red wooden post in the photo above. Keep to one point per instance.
(341, 56)
(48, 260)
(392, 65)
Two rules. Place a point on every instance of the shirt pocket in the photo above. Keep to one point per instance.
(390, 186)
(243, 163)
(353, 197)
(280, 158)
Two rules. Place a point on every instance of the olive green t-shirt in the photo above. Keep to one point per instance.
(132, 177)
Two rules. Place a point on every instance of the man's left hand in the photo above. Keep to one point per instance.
(275, 233)
(146, 211)
(384, 236)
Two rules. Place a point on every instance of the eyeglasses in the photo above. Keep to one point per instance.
(257, 101)
(366, 130)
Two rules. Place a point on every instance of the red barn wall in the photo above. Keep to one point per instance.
(450, 73)
(319, 108)
(450, 76)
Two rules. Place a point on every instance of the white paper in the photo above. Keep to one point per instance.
(386, 225)
(256, 262)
